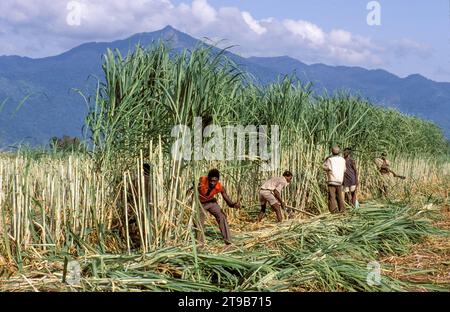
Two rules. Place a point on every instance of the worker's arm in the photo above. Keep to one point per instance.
(278, 197)
(228, 200)
(393, 173)
(397, 175)
(326, 166)
(378, 163)
(193, 186)
(356, 172)
(190, 189)
(388, 168)
(383, 166)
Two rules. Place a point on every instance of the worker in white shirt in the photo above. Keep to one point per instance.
(335, 167)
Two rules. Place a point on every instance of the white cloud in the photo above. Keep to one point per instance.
(253, 24)
(306, 31)
(340, 37)
(39, 28)
(203, 11)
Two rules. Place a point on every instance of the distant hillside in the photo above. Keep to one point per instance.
(53, 109)
(415, 94)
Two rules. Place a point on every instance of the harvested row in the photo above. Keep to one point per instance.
(326, 253)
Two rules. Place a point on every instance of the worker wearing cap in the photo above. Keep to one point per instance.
(335, 168)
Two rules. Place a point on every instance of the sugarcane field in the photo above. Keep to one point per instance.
(212, 154)
(130, 210)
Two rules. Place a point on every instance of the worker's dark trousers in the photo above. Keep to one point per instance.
(335, 195)
(221, 219)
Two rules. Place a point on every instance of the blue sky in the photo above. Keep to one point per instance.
(414, 36)
(427, 22)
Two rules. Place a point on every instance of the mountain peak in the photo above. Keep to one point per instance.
(416, 77)
(55, 75)
(168, 28)
(277, 58)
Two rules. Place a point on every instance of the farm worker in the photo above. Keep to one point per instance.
(208, 187)
(384, 168)
(350, 178)
(335, 168)
(270, 193)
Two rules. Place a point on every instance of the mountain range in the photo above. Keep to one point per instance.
(38, 98)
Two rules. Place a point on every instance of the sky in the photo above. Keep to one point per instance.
(402, 36)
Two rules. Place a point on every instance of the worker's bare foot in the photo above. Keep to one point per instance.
(261, 216)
